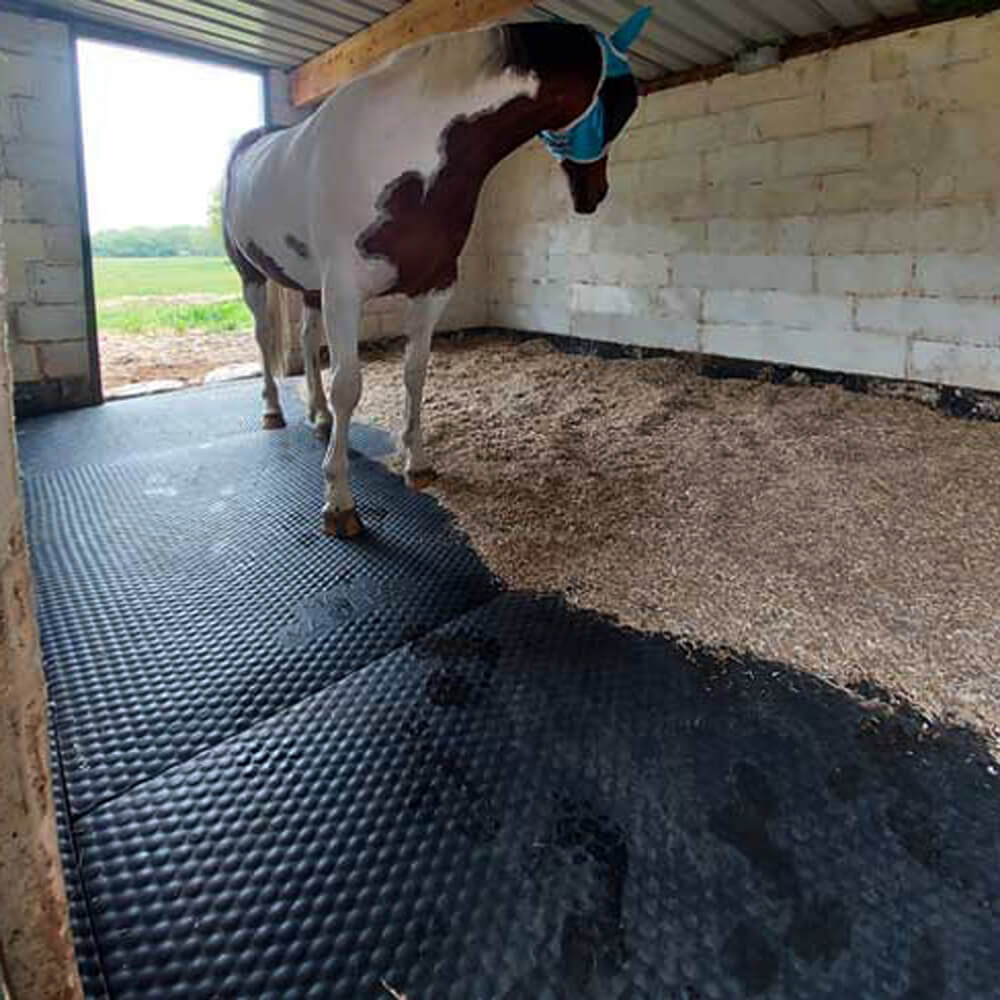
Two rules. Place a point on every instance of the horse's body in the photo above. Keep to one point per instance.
(375, 193)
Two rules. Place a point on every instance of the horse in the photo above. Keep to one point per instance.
(375, 193)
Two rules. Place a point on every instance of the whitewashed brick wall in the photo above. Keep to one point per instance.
(840, 212)
(41, 262)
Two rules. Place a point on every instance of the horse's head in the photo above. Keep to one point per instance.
(582, 146)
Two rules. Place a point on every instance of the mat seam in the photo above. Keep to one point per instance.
(77, 862)
(268, 718)
(27, 475)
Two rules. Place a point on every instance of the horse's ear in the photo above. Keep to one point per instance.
(623, 38)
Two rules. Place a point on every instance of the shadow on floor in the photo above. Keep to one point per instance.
(297, 767)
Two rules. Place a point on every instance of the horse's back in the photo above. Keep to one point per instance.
(319, 187)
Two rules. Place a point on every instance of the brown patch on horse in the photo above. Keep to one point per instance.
(263, 266)
(269, 266)
(297, 246)
(421, 229)
(249, 274)
(254, 264)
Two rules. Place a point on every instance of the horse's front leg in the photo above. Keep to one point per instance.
(312, 341)
(268, 341)
(342, 321)
(423, 317)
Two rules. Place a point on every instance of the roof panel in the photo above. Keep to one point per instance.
(681, 34)
(214, 23)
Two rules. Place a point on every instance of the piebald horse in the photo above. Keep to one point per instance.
(375, 193)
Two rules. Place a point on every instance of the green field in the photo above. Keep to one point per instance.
(169, 279)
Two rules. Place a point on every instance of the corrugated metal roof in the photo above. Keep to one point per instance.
(682, 34)
(280, 33)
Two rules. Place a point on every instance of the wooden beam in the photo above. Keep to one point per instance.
(413, 22)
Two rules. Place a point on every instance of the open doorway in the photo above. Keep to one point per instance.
(157, 130)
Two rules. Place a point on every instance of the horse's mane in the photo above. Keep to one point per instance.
(448, 63)
(456, 62)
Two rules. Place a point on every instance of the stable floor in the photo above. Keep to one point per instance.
(293, 766)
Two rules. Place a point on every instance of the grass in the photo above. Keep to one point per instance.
(116, 278)
(158, 317)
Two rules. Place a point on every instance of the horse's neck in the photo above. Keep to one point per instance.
(565, 60)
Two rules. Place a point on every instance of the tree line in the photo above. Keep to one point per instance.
(169, 241)
(147, 241)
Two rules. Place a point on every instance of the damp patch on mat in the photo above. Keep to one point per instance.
(186, 594)
(532, 803)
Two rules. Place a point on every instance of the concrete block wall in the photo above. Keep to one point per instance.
(41, 248)
(36, 948)
(841, 211)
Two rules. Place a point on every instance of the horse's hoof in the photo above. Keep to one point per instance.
(341, 523)
(272, 421)
(322, 430)
(420, 479)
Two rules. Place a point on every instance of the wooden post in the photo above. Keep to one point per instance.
(36, 947)
(413, 22)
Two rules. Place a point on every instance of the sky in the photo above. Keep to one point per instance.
(156, 133)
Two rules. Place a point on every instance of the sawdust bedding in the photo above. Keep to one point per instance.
(847, 535)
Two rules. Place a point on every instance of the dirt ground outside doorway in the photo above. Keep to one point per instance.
(129, 358)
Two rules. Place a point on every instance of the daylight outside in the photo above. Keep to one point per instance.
(157, 130)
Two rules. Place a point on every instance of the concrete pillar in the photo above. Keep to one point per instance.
(36, 948)
(52, 344)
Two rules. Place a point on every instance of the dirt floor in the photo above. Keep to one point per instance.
(133, 357)
(851, 536)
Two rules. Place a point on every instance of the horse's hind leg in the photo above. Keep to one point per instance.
(312, 343)
(424, 315)
(269, 343)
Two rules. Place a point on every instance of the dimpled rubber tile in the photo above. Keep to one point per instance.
(529, 804)
(122, 430)
(84, 944)
(184, 595)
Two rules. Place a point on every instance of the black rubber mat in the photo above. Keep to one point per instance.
(125, 429)
(529, 803)
(84, 943)
(187, 594)
(308, 768)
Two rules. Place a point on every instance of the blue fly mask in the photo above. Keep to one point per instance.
(585, 140)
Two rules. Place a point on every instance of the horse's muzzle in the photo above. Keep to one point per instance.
(588, 184)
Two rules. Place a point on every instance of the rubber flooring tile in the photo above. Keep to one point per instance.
(531, 803)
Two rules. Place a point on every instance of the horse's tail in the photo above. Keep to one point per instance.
(279, 342)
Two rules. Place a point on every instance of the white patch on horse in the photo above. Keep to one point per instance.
(305, 205)
(324, 179)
